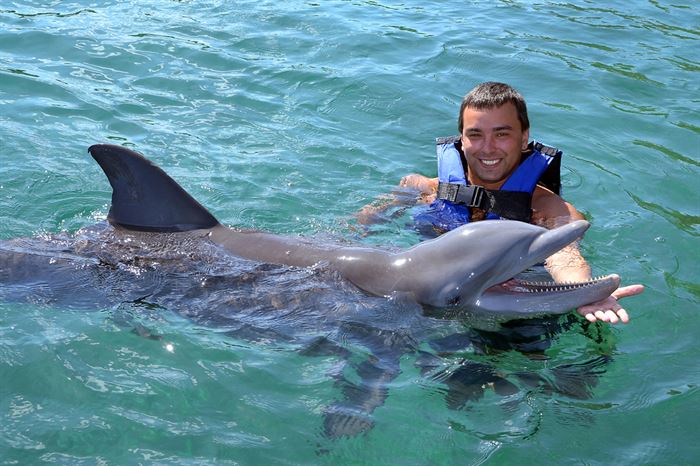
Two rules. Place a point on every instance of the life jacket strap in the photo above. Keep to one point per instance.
(514, 205)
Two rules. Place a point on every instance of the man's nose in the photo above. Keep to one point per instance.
(489, 143)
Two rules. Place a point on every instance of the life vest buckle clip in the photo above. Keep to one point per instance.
(478, 193)
(470, 196)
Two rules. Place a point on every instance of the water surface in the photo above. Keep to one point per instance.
(289, 117)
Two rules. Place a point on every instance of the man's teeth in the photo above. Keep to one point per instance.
(490, 162)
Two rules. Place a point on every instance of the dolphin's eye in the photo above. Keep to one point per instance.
(454, 301)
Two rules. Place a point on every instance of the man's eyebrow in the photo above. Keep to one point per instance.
(497, 128)
(502, 128)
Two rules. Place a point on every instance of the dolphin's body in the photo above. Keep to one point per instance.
(163, 250)
(460, 270)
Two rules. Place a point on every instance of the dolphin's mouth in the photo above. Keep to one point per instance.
(514, 285)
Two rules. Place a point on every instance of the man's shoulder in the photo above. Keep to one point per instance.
(548, 205)
(545, 195)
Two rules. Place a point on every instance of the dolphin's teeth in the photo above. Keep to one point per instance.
(551, 287)
(526, 286)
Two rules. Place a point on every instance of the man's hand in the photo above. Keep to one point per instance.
(421, 183)
(608, 310)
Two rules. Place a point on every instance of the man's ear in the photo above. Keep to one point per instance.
(525, 139)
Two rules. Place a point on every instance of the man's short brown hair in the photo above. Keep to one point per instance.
(491, 95)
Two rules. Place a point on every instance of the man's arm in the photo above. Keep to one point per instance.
(568, 265)
(426, 187)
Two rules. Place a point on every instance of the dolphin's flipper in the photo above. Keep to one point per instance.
(144, 197)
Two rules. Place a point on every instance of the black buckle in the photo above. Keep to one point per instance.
(470, 196)
(478, 193)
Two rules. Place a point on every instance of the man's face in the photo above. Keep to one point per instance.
(492, 140)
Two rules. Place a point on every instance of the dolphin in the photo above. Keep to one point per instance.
(162, 250)
(467, 271)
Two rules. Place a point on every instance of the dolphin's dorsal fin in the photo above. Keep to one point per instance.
(144, 197)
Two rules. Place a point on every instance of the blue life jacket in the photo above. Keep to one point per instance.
(540, 164)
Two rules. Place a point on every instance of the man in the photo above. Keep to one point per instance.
(494, 135)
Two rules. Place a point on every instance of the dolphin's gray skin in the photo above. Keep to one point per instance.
(460, 270)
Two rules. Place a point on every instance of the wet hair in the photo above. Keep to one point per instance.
(491, 95)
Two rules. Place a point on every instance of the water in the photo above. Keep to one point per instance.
(289, 117)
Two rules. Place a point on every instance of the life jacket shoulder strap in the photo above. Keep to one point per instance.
(551, 178)
(546, 150)
(447, 140)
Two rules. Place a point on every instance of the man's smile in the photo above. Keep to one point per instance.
(490, 162)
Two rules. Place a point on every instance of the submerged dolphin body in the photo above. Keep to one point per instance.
(462, 270)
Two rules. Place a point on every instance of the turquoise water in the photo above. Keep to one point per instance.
(289, 117)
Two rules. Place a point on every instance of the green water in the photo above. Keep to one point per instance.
(289, 117)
